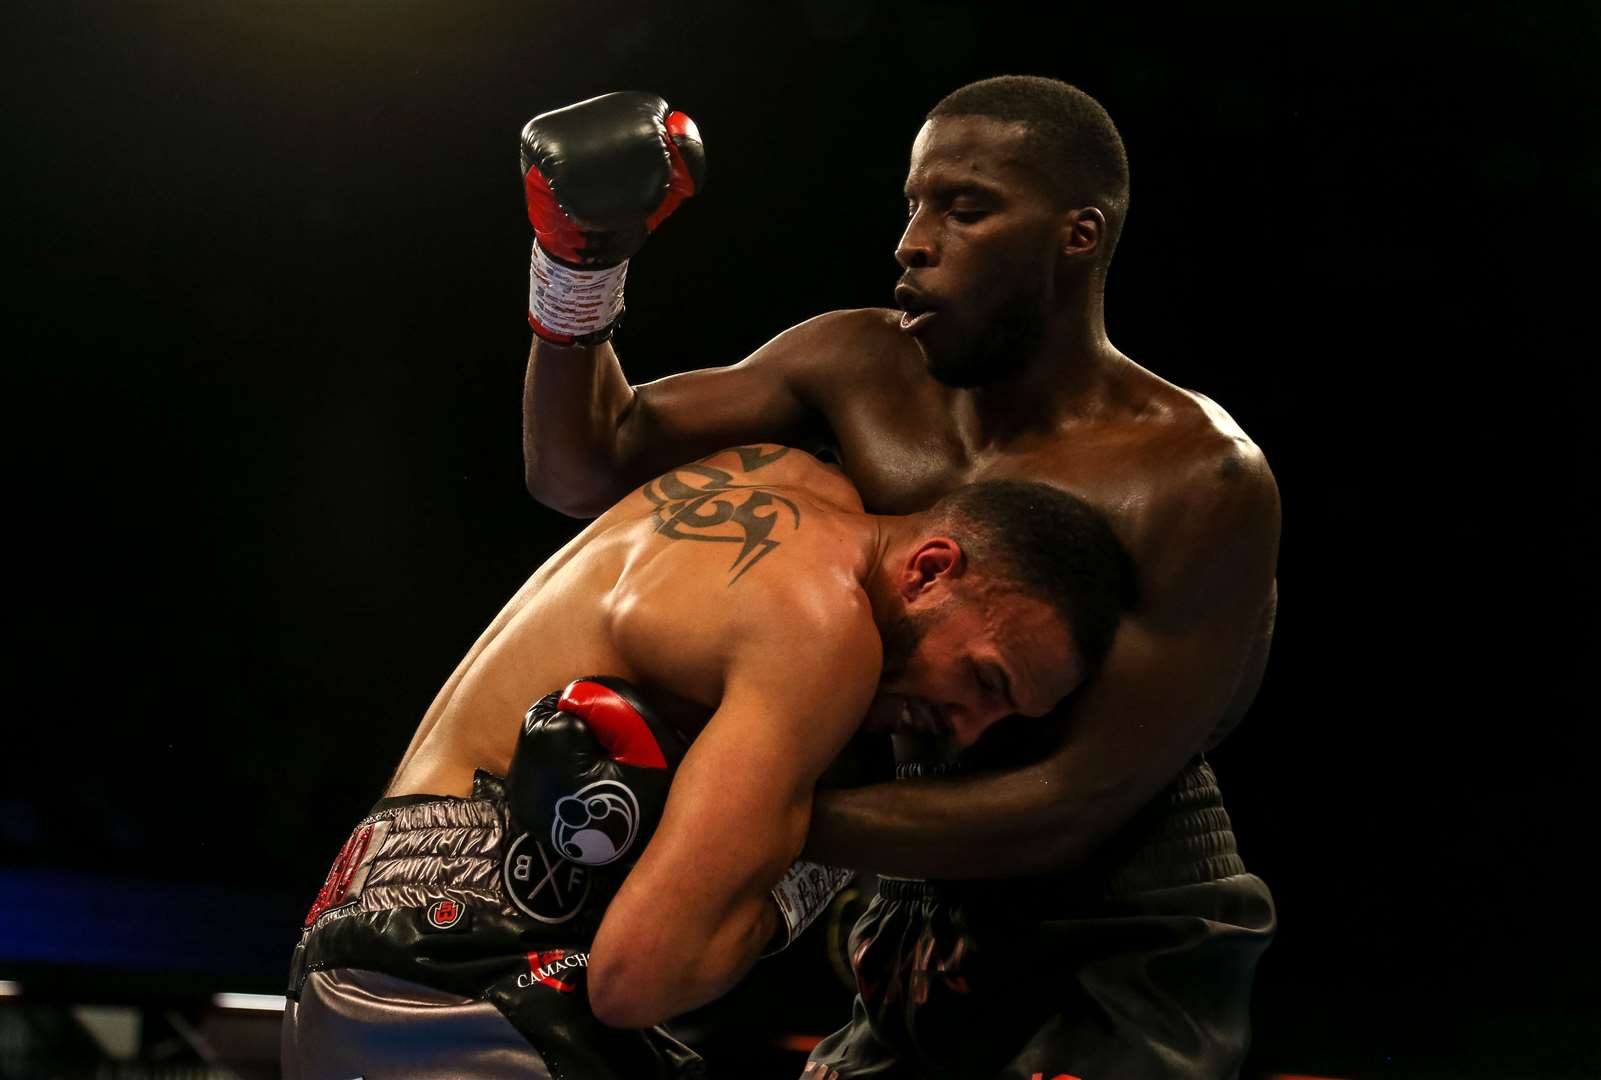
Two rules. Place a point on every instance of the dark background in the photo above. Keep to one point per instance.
(268, 272)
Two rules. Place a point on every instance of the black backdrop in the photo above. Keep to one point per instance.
(268, 276)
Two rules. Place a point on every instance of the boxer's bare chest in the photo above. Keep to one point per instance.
(906, 445)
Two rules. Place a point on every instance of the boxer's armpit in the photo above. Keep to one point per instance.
(702, 502)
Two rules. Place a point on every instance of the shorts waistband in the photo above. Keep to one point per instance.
(1184, 837)
(413, 850)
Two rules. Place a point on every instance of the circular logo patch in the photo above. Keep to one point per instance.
(595, 825)
(444, 914)
(544, 885)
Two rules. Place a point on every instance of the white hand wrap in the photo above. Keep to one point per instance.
(573, 302)
(802, 894)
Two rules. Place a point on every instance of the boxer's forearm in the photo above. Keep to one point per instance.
(993, 826)
(632, 990)
(573, 403)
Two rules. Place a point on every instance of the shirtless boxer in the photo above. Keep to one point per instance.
(716, 600)
(1130, 949)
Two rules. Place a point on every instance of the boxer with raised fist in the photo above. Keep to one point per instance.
(550, 873)
(994, 361)
(598, 177)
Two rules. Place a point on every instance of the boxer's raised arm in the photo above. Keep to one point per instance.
(598, 178)
(694, 914)
(1171, 674)
(589, 436)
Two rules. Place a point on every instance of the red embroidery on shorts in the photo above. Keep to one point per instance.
(883, 976)
(337, 884)
(930, 969)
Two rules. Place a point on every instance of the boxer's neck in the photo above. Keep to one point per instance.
(1074, 374)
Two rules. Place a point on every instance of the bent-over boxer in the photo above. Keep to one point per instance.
(489, 917)
(1083, 910)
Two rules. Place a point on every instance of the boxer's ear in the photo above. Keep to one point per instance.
(1083, 230)
(934, 565)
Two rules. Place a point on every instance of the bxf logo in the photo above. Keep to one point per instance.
(543, 885)
(545, 969)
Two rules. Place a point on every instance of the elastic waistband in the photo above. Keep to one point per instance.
(413, 850)
(1183, 837)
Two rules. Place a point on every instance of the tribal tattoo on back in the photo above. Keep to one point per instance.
(699, 502)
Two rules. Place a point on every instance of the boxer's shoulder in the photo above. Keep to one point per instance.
(1182, 442)
(845, 348)
(847, 329)
(1209, 455)
(1207, 489)
(1176, 475)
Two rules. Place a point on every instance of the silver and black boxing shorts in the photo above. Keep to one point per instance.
(439, 947)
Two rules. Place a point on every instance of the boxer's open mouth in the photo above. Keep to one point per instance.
(916, 309)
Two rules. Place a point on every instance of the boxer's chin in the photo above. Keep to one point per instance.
(993, 354)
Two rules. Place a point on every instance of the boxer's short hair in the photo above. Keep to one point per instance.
(1072, 139)
(1048, 545)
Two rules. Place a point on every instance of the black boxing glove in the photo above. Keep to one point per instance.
(591, 772)
(599, 176)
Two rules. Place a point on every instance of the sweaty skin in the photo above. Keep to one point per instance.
(722, 638)
(726, 591)
(1186, 491)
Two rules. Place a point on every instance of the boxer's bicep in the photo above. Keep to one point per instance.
(777, 394)
(687, 416)
(589, 436)
(1157, 698)
(1177, 661)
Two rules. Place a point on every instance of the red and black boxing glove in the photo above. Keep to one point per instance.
(591, 772)
(599, 176)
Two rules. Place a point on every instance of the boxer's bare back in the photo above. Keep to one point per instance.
(655, 591)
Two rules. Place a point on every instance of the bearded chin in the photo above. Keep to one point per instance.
(901, 639)
(1005, 346)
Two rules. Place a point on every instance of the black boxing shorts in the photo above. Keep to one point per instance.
(1137, 966)
(441, 948)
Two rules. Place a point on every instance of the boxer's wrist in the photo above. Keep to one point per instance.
(572, 306)
(621, 164)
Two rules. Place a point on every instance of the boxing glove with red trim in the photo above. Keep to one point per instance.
(599, 176)
(591, 772)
